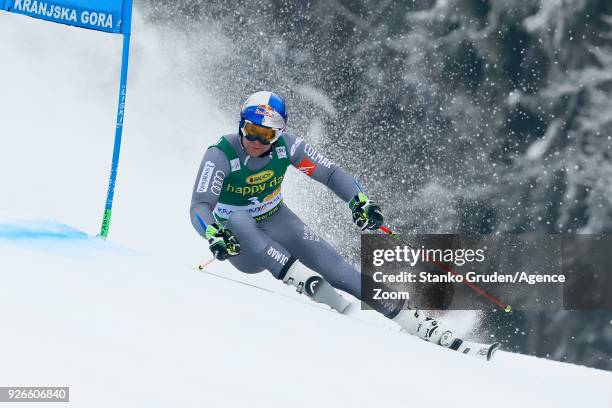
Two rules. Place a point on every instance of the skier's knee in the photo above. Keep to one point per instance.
(250, 270)
(244, 265)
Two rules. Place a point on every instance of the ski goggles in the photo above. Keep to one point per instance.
(263, 135)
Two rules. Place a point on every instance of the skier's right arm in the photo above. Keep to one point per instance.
(207, 188)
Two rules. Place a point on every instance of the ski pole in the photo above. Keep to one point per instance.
(504, 306)
(204, 226)
(201, 267)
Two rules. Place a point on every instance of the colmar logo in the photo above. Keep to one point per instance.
(307, 167)
(318, 157)
(278, 256)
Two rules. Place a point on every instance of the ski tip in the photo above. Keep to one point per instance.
(494, 347)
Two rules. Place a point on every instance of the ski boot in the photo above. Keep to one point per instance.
(314, 286)
(416, 323)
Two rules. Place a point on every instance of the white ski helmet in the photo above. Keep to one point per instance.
(266, 110)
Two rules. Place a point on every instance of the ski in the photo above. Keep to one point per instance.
(470, 348)
(345, 307)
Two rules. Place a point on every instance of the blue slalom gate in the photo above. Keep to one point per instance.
(111, 16)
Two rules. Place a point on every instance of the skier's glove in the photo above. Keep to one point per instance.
(222, 242)
(366, 214)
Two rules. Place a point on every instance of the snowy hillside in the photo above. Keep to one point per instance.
(123, 330)
(129, 322)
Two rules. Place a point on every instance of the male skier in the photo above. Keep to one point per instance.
(237, 205)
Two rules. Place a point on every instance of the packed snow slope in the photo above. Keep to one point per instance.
(123, 329)
(140, 327)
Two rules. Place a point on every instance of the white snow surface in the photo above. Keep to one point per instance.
(129, 322)
(126, 329)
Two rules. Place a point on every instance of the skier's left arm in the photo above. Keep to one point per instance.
(304, 157)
